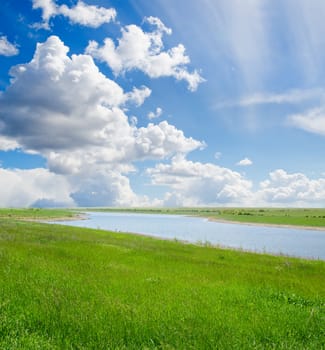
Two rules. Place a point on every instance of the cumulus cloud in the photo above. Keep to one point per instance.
(65, 109)
(48, 8)
(58, 102)
(81, 13)
(311, 121)
(195, 183)
(133, 120)
(138, 96)
(23, 188)
(141, 50)
(42, 188)
(163, 140)
(156, 114)
(107, 188)
(7, 48)
(284, 188)
(245, 162)
(155, 21)
(88, 15)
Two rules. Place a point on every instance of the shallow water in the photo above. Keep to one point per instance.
(287, 241)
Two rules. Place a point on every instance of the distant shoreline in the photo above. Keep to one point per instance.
(301, 227)
(63, 218)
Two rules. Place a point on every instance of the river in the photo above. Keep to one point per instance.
(275, 240)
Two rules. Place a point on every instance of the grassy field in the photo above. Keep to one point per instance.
(275, 216)
(71, 288)
(36, 213)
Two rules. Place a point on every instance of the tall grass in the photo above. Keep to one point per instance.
(71, 288)
(36, 213)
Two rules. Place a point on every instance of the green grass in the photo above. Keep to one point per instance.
(71, 288)
(282, 216)
(36, 213)
(277, 216)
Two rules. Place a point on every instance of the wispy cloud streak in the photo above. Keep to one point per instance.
(289, 97)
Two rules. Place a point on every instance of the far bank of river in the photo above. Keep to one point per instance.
(305, 243)
(295, 227)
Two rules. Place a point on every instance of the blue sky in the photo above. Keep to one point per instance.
(162, 103)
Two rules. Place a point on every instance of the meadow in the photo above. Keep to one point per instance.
(36, 213)
(71, 288)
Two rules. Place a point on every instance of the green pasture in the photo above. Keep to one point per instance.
(71, 288)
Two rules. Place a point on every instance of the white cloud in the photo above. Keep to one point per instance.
(217, 155)
(293, 189)
(48, 8)
(41, 188)
(195, 183)
(23, 188)
(65, 109)
(60, 102)
(292, 97)
(107, 188)
(6, 48)
(64, 104)
(245, 162)
(156, 114)
(163, 140)
(133, 120)
(141, 50)
(7, 144)
(88, 15)
(138, 96)
(81, 13)
(312, 121)
(160, 26)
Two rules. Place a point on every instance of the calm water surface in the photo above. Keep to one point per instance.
(288, 241)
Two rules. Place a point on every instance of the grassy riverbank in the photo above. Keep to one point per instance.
(71, 288)
(37, 213)
(275, 216)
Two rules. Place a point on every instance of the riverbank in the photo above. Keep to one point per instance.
(37, 214)
(65, 287)
(297, 227)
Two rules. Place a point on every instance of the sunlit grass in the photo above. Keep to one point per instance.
(36, 213)
(71, 288)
